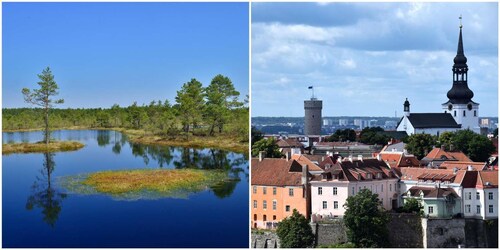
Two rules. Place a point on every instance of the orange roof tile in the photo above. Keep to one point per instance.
(305, 161)
(276, 172)
(462, 165)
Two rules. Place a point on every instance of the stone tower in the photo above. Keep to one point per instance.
(460, 104)
(312, 118)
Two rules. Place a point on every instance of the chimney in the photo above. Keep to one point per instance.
(469, 168)
(322, 158)
(350, 158)
(360, 157)
(379, 157)
(443, 148)
(262, 155)
(305, 169)
(455, 169)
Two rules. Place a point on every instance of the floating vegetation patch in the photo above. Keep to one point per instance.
(41, 147)
(143, 183)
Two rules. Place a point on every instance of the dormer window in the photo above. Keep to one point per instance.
(368, 176)
(379, 175)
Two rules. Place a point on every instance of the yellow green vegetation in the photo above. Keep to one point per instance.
(219, 142)
(145, 182)
(41, 147)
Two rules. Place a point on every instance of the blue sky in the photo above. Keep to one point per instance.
(364, 59)
(107, 53)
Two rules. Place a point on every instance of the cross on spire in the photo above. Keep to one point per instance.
(460, 20)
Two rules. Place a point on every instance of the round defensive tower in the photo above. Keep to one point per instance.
(312, 118)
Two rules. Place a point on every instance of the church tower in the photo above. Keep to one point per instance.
(460, 104)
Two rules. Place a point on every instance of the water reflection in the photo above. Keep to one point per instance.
(103, 137)
(44, 195)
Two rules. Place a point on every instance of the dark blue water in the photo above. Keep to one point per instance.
(37, 212)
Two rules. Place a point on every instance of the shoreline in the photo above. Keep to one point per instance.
(143, 137)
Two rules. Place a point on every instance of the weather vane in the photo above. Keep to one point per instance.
(460, 20)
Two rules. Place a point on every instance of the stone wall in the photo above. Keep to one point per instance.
(330, 233)
(405, 231)
(264, 239)
(443, 233)
(481, 233)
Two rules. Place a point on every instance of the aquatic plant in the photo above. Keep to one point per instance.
(41, 147)
(144, 183)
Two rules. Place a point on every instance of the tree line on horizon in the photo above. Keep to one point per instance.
(198, 110)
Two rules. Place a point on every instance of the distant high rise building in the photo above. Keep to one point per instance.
(343, 122)
(312, 117)
(327, 122)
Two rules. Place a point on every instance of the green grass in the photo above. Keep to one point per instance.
(41, 147)
(144, 183)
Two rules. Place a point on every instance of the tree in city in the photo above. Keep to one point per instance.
(365, 220)
(373, 135)
(221, 98)
(420, 144)
(257, 135)
(343, 135)
(295, 231)
(190, 103)
(269, 146)
(477, 147)
(412, 205)
(42, 97)
(446, 140)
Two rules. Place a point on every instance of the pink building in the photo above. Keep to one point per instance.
(341, 179)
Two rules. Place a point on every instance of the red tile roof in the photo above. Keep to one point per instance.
(462, 165)
(305, 161)
(487, 177)
(276, 172)
(289, 143)
(440, 154)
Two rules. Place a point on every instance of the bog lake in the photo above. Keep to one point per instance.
(38, 211)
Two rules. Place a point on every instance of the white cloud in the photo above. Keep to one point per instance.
(370, 66)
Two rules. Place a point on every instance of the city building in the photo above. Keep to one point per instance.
(278, 187)
(439, 155)
(460, 112)
(312, 116)
(460, 104)
(344, 178)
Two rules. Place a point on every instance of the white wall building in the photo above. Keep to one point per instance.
(330, 190)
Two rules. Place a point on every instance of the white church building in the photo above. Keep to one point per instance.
(460, 112)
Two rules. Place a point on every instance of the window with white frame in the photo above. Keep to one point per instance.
(325, 205)
(320, 190)
(469, 195)
(335, 205)
(490, 209)
(478, 209)
(430, 210)
(274, 190)
(254, 189)
(467, 208)
(264, 204)
(290, 191)
(254, 204)
(264, 190)
(490, 196)
(478, 196)
(390, 187)
(334, 190)
(353, 190)
(382, 188)
(275, 203)
(287, 208)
